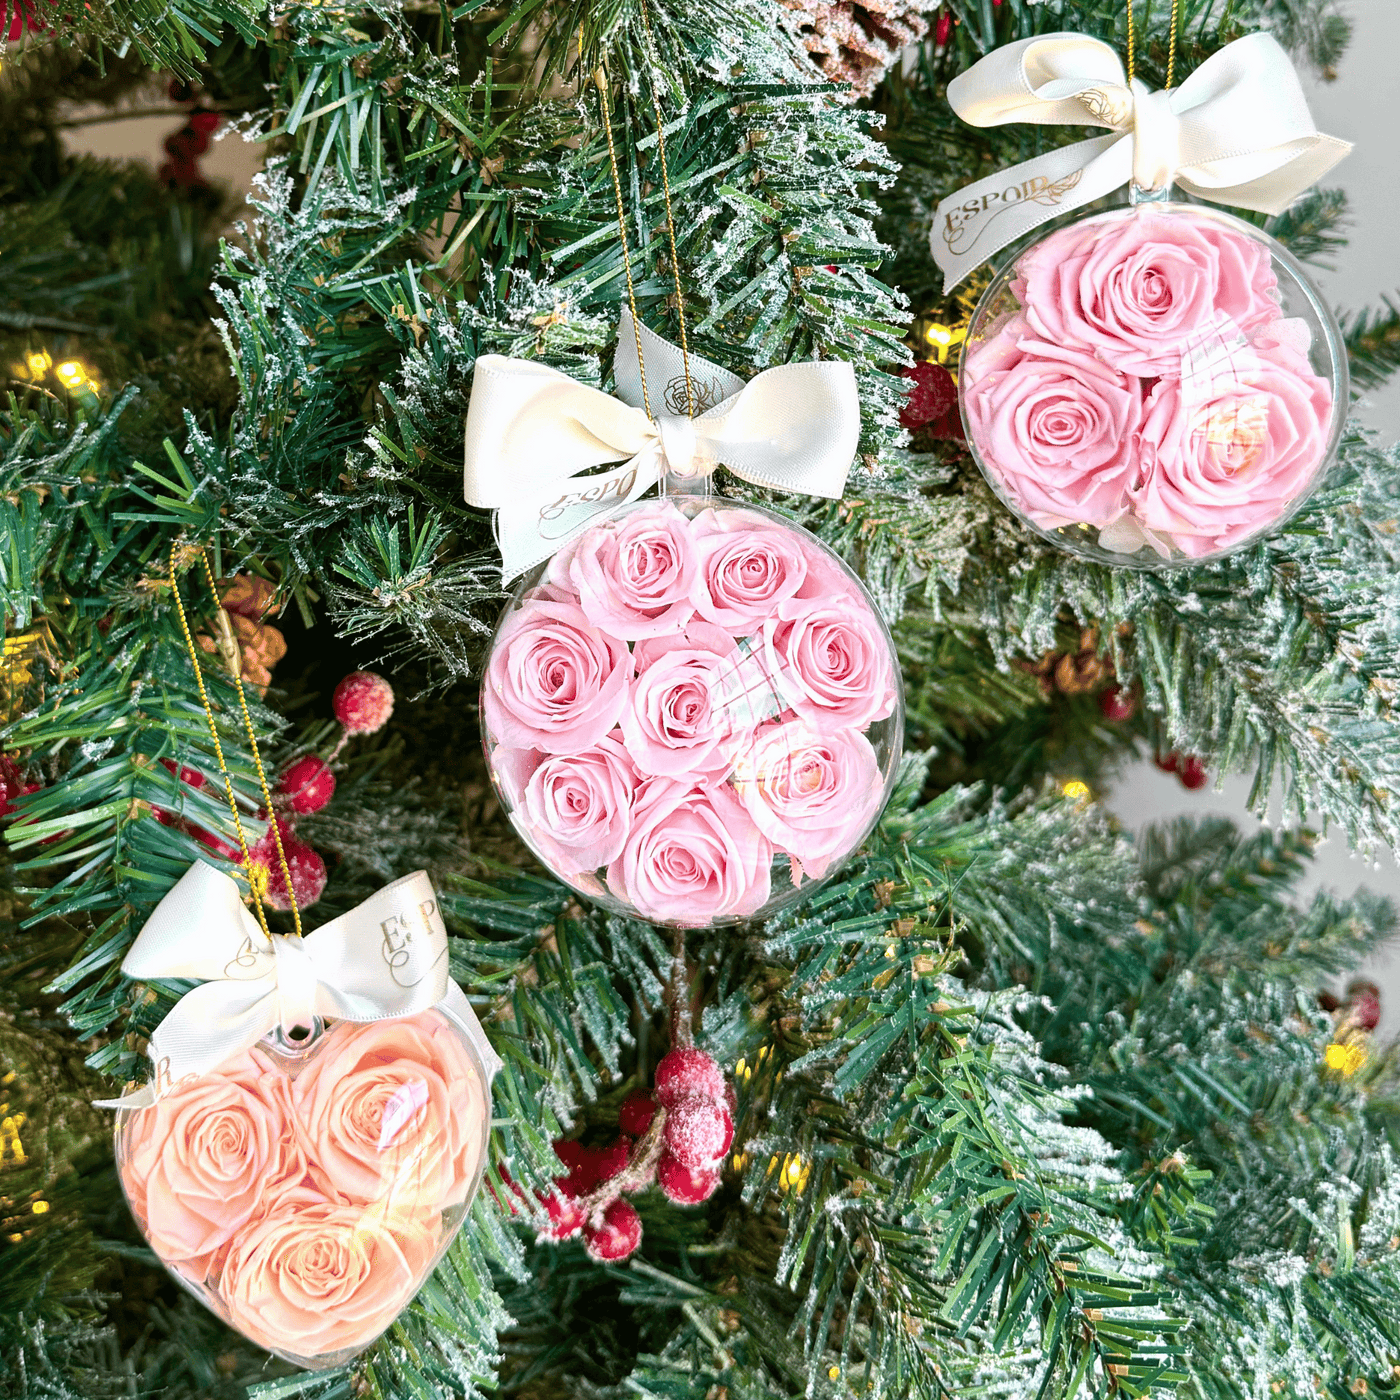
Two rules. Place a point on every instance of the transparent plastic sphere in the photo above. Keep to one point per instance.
(303, 1192)
(1154, 386)
(693, 712)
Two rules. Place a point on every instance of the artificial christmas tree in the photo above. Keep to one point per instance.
(1019, 1106)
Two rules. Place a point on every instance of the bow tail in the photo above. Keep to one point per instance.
(1276, 186)
(972, 225)
(537, 521)
(208, 1026)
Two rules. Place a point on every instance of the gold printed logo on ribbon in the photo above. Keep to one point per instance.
(1110, 108)
(616, 488)
(396, 947)
(705, 392)
(242, 963)
(964, 225)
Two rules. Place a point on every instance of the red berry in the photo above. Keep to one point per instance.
(1364, 1005)
(1167, 762)
(308, 784)
(221, 848)
(570, 1153)
(931, 395)
(192, 776)
(307, 869)
(1118, 703)
(511, 1186)
(565, 1216)
(696, 1133)
(614, 1159)
(617, 1237)
(1192, 773)
(12, 785)
(635, 1113)
(728, 1127)
(584, 1166)
(686, 1074)
(684, 1186)
(942, 28)
(363, 702)
(205, 123)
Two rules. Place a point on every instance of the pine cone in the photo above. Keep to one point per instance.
(1072, 672)
(856, 41)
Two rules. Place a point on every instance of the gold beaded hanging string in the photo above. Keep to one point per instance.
(601, 81)
(1171, 52)
(253, 880)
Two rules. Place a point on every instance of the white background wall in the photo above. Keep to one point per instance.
(1362, 105)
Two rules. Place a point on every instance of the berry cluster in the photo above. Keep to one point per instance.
(1190, 771)
(363, 703)
(675, 1137)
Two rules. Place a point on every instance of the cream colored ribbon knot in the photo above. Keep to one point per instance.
(1237, 131)
(534, 436)
(387, 957)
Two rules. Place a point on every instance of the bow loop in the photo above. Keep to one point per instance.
(1237, 131)
(386, 957)
(535, 437)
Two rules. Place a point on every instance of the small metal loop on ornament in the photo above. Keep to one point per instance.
(288, 1043)
(1138, 195)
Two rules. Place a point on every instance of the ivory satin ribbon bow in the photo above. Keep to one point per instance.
(387, 957)
(531, 431)
(1237, 131)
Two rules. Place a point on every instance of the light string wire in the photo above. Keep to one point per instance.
(253, 881)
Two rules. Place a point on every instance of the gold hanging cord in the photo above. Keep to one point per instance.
(600, 79)
(1171, 53)
(253, 881)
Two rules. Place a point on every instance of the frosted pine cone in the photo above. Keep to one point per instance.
(856, 41)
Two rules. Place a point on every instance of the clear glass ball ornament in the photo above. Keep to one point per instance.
(1154, 386)
(693, 712)
(305, 1189)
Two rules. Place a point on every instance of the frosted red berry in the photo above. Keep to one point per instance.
(1192, 773)
(1364, 1005)
(584, 1166)
(932, 393)
(307, 785)
(12, 785)
(305, 866)
(617, 1236)
(635, 1113)
(613, 1159)
(363, 702)
(728, 1116)
(565, 1216)
(1167, 762)
(688, 1073)
(1118, 703)
(684, 1185)
(695, 1132)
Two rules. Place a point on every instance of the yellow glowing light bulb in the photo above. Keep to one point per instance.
(1076, 790)
(38, 362)
(70, 374)
(40, 1207)
(792, 1172)
(1346, 1059)
(941, 339)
